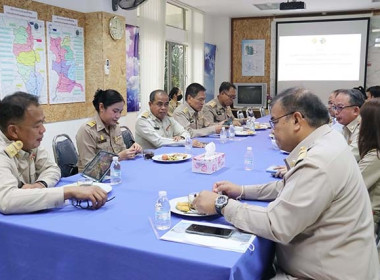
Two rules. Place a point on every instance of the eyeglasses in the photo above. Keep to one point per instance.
(161, 104)
(85, 204)
(275, 121)
(230, 96)
(339, 109)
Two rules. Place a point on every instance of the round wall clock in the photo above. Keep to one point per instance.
(116, 28)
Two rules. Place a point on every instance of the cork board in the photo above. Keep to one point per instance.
(98, 45)
(249, 29)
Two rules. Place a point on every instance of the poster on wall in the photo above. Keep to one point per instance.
(22, 57)
(253, 57)
(133, 68)
(66, 63)
(209, 73)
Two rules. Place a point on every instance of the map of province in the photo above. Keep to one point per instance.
(66, 64)
(22, 57)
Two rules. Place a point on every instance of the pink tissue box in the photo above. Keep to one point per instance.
(210, 165)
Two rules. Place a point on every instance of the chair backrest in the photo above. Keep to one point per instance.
(128, 138)
(65, 155)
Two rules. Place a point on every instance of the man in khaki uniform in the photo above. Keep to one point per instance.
(219, 109)
(28, 175)
(154, 128)
(190, 116)
(321, 215)
(93, 137)
(347, 105)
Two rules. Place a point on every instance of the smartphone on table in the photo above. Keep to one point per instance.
(209, 230)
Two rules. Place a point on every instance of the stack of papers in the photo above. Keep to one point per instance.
(237, 242)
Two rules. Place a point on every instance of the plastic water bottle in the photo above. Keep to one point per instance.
(223, 135)
(188, 144)
(162, 212)
(248, 159)
(115, 171)
(231, 132)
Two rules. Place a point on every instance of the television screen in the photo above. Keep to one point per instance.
(250, 95)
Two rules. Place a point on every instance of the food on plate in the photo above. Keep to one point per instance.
(183, 206)
(175, 156)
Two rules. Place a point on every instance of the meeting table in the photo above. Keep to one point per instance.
(117, 241)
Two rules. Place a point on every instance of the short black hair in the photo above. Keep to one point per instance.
(226, 86)
(107, 97)
(375, 91)
(356, 97)
(173, 91)
(13, 107)
(153, 94)
(307, 103)
(193, 89)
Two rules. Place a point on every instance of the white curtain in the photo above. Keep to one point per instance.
(152, 48)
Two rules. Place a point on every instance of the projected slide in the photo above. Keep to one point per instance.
(319, 57)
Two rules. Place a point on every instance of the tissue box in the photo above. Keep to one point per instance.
(209, 165)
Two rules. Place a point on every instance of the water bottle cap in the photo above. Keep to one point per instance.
(115, 158)
(249, 148)
(162, 193)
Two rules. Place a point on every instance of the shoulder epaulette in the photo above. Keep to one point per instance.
(301, 155)
(212, 103)
(13, 148)
(185, 110)
(145, 115)
(91, 123)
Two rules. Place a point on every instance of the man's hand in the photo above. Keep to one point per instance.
(281, 170)
(228, 188)
(218, 127)
(177, 138)
(204, 203)
(95, 194)
(33, 186)
(236, 122)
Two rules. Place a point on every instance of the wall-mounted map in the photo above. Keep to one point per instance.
(66, 63)
(22, 57)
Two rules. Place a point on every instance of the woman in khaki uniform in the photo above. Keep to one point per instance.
(369, 149)
(102, 132)
(175, 96)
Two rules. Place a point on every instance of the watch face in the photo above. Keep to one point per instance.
(116, 28)
(221, 200)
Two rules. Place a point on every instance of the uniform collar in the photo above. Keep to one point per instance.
(352, 126)
(100, 125)
(154, 118)
(191, 110)
(219, 105)
(306, 144)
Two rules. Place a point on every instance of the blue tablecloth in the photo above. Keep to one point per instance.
(117, 241)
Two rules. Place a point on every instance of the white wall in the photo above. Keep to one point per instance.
(218, 32)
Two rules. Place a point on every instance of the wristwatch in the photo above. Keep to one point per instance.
(220, 202)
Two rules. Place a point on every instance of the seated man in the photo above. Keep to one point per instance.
(189, 114)
(219, 109)
(28, 175)
(320, 216)
(330, 104)
(154, 128)
(347, 112)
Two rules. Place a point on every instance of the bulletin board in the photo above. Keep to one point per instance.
(243, 29)
(98, 46)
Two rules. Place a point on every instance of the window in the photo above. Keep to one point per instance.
(175, 65)
(175, 16)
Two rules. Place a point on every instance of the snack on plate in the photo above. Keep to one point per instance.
(183, 206)
(175, 156)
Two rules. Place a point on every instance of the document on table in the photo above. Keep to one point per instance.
(237, 242)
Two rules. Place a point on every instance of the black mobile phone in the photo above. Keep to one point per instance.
(209, 230)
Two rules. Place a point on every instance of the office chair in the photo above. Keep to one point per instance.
(128, 138)
(65, 155)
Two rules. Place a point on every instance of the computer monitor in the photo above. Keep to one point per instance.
(250, 95)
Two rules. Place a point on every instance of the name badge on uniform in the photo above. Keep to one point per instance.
(191, 121)
(218, 113)
(156, 128)
(102, 139)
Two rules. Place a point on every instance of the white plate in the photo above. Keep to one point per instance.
(159, 158)
(192, 213)
(105, 187)
(244, 133)
(261, 127)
